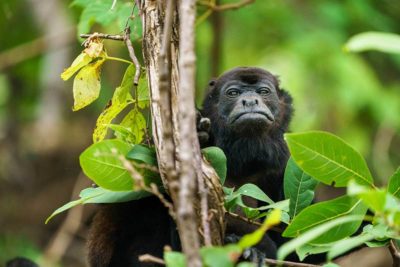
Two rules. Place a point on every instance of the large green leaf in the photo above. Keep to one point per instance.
(394, 184)
(100, 195)
(217, 158)
(101, 162)
(323, 212)
(298, 187)
(328, 158)
(380, 41)
(316, 232)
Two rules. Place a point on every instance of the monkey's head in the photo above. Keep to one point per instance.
(247, 102)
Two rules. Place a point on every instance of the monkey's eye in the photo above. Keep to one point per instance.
(233, 92)
(264, 91)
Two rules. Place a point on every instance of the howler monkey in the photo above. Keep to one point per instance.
(249, 114)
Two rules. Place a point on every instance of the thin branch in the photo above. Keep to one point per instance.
(115, 37)
(394, 251)
(151, 259)
(272, 262)
(129, 45)
(225, 7)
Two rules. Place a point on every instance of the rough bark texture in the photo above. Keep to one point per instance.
(181, 165)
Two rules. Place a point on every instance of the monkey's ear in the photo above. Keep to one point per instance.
(211, 87)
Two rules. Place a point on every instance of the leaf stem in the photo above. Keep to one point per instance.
(118, 59)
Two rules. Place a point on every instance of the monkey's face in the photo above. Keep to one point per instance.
(249, 107)
(248, 102)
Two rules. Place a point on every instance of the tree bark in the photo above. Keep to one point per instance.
(192, 183)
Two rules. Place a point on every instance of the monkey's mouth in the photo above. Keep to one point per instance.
(257, 115)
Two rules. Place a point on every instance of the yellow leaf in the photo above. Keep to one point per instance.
(86, 86)
(82, 60)
(94, 49)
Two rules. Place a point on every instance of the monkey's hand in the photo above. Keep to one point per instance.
(203, 125)
(250, 254)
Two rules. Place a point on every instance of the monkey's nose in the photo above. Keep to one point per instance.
(250, 102)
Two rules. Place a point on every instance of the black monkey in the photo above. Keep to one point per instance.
(249, 113)
(20, 262)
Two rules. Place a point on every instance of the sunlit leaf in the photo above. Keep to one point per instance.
(143, 154)
(394, 184)
(373, 198)
(95, 49)
(380, 41)
(102, 163)
(251, 190)
(255, 237)
(328, 158)
(323, 212)
(136, 123)
(316, 232)
(86, 86)
(120, 100)
(96, 11)
(80, 61)
(217, 158)
(299, 188)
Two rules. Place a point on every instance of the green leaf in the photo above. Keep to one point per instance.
(100, 195)
(220, 256)
(375, 199)
(379, 41)
(347, 244)
(330, 264)
(101, 163)
(298, 187)
(174, 259)
(96, 11)
(246, 264)
(254, 238)
(82, 60)
(328, 158)
(253, 191)
(120, 100)
(316, 232)
(143, 154)
(309, 249)
(136, 123)
(323, 212)
(394, 184)
(143, 92)
(217, 158)
(86, 86)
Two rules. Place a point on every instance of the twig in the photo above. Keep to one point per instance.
(129, 45)
(394, 251)
(237, 216)
(151, 259)
(272, 262)
(115, 37)
(225, 7)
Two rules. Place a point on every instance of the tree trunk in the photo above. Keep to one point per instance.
(191, 182)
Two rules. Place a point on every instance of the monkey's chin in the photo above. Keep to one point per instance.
(250, 123)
